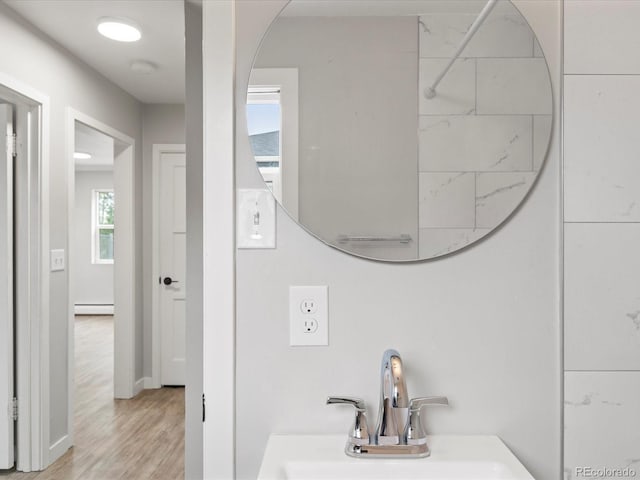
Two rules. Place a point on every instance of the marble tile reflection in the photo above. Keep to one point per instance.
(513, 86)
(447, 200)
(498, 194)
(475, 143)
(537, 49)
(542, 125)
(456, 95)
(441, 34)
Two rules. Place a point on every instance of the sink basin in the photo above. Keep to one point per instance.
(453, 457)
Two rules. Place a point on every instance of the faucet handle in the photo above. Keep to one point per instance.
(417, 403)
(414, 431)
(359, 433)
(357, 403)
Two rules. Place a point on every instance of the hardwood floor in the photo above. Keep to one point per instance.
(141, 438)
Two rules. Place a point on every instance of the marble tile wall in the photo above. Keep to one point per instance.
(481, 141)
(601, 419)
(602, 238)
(602, 171)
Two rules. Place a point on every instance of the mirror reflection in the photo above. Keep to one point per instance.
(399, 130)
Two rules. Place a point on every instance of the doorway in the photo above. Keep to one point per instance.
(92, 247)
(24, 278)
(112, 270)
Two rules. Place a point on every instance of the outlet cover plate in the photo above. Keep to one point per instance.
(308, 327)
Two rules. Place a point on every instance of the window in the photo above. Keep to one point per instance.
(272, 120)
(103, 226)
(264, 119)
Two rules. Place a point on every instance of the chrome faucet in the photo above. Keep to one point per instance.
(399, 431)
(394, 401)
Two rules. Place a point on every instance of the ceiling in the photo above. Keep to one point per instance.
(96, 144)
(72, 24)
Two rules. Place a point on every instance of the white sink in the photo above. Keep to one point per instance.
(322, 457)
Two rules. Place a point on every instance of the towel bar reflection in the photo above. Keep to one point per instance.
(402, 238)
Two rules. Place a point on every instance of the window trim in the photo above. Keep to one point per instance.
(96, 227)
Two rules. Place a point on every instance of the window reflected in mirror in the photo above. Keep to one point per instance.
(264, 121)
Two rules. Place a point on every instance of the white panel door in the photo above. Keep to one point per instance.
(172, 242)
(6, 289)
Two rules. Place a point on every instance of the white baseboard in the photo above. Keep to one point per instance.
(150, 384)
(59, 448)
(138, 386)
(93, 309)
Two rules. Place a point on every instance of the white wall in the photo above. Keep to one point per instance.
(161, 123)
(482, 326)
(93, 281)
(30, 57)
(602, 234)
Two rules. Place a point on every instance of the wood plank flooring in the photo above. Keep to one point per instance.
(141, 438)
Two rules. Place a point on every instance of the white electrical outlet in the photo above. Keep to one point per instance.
(308, 316)
(310, 326)
(309, 306)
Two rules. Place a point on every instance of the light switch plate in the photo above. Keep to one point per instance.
(57, 260)
(308, 315)
(256, 222)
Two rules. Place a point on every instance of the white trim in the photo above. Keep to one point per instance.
(138, 386)
(287, 81)
(124, 273)
(60, 447)
(32, 368)
(158, 150)
(148, 383)
(7, 285)
(40, 375)
(218, 230)
(93, 309)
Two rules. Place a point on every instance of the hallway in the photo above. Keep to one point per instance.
(141, 438)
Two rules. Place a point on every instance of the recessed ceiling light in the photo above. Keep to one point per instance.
(143, 67)
(81, 156)
(119, 29)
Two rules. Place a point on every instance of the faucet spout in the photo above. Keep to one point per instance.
(394, 401)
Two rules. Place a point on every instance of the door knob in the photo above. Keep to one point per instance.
(168, 281)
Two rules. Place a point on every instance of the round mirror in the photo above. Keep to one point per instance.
(399, 130)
